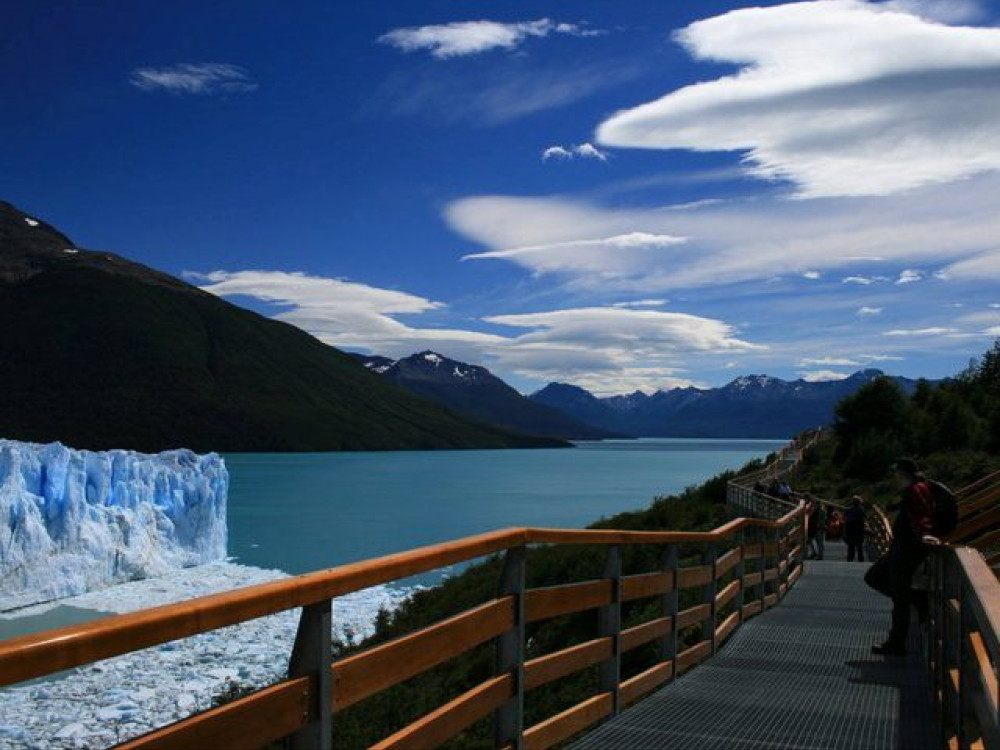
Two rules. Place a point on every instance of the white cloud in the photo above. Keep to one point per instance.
(194, 78)
(841, 97)
(580, 150)
(992, 331)
(346, 313)
(820, 376)
(829, 362)
(738, 240)
(556, 152)
(500, 94)
(812, 275)
(616, 255)
(607, 349)
(932, 331)
(463, 38)
(642, 303)
(866, 311)
(909, 276)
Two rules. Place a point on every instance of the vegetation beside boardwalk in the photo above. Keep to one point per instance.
(952, 427)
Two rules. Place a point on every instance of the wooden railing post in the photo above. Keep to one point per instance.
(779, 558)
(708, 558)
(312, 657)
(610, 624)
(741, 570)
(937, 643)
(964, 663)
(669, 606)
(509, 718)
(762, 563)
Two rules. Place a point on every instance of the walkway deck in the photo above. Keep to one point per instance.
(801, 675)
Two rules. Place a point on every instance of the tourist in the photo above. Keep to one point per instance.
(854, 530)
(785, 492)
(812, 508)
(912, 536)
(818, 540)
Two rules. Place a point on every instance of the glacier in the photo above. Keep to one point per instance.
(73, 521)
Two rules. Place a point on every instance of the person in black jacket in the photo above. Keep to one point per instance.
(912, 537)
(854, 530)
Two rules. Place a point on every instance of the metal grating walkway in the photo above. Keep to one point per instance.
(801, 675)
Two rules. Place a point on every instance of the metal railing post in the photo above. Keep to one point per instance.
(708, 558)
(609, 623)
(669, 605)
(312, 656)
(509, 718)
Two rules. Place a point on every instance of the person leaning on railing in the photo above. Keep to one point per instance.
(912, 537)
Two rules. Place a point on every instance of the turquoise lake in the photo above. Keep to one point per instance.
(302, 512)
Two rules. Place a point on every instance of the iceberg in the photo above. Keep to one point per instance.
(73, 521)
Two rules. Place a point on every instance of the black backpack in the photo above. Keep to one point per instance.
(945, 509)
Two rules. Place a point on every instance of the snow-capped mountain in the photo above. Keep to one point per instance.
(751, 406)
(475, 392)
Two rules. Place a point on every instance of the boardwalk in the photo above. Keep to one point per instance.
(799, 676)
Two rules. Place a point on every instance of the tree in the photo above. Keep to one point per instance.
(878, 411)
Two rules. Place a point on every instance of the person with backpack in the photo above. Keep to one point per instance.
(913, 533)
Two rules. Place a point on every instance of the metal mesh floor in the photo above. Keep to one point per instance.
(801, 675)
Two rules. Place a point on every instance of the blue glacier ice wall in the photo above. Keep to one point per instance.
(72, 521)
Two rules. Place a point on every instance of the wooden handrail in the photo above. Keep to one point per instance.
(341, 683)
(39, 654)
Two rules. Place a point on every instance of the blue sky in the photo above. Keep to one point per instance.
(620, 195)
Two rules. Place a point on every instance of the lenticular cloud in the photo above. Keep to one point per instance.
(838, 96)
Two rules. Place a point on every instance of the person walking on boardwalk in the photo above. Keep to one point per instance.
(912, 535)
(812, 509)
(854, 530)
(821, 519)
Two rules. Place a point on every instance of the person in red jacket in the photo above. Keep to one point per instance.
(912, 537)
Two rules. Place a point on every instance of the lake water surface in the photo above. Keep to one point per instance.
(305, 511)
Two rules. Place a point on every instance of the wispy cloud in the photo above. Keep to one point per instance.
(504, 93)
(463, 38)
(865, 311)
(820, 376)
(840, 97)
(909, 276)
(580, 150)
(932, 331)
(741, 240)
(829, 362)
(609, 349)
(194, 78)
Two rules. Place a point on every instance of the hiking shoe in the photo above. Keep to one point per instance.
(889, 649)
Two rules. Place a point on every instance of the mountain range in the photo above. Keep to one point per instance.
(752, 406)
(101, 352)
(479, 394)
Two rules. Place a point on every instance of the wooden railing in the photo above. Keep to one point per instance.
(746, 567)
(740, 492)
(964, 644)
(964, 653)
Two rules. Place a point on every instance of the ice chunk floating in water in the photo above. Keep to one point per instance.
(73, 521)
